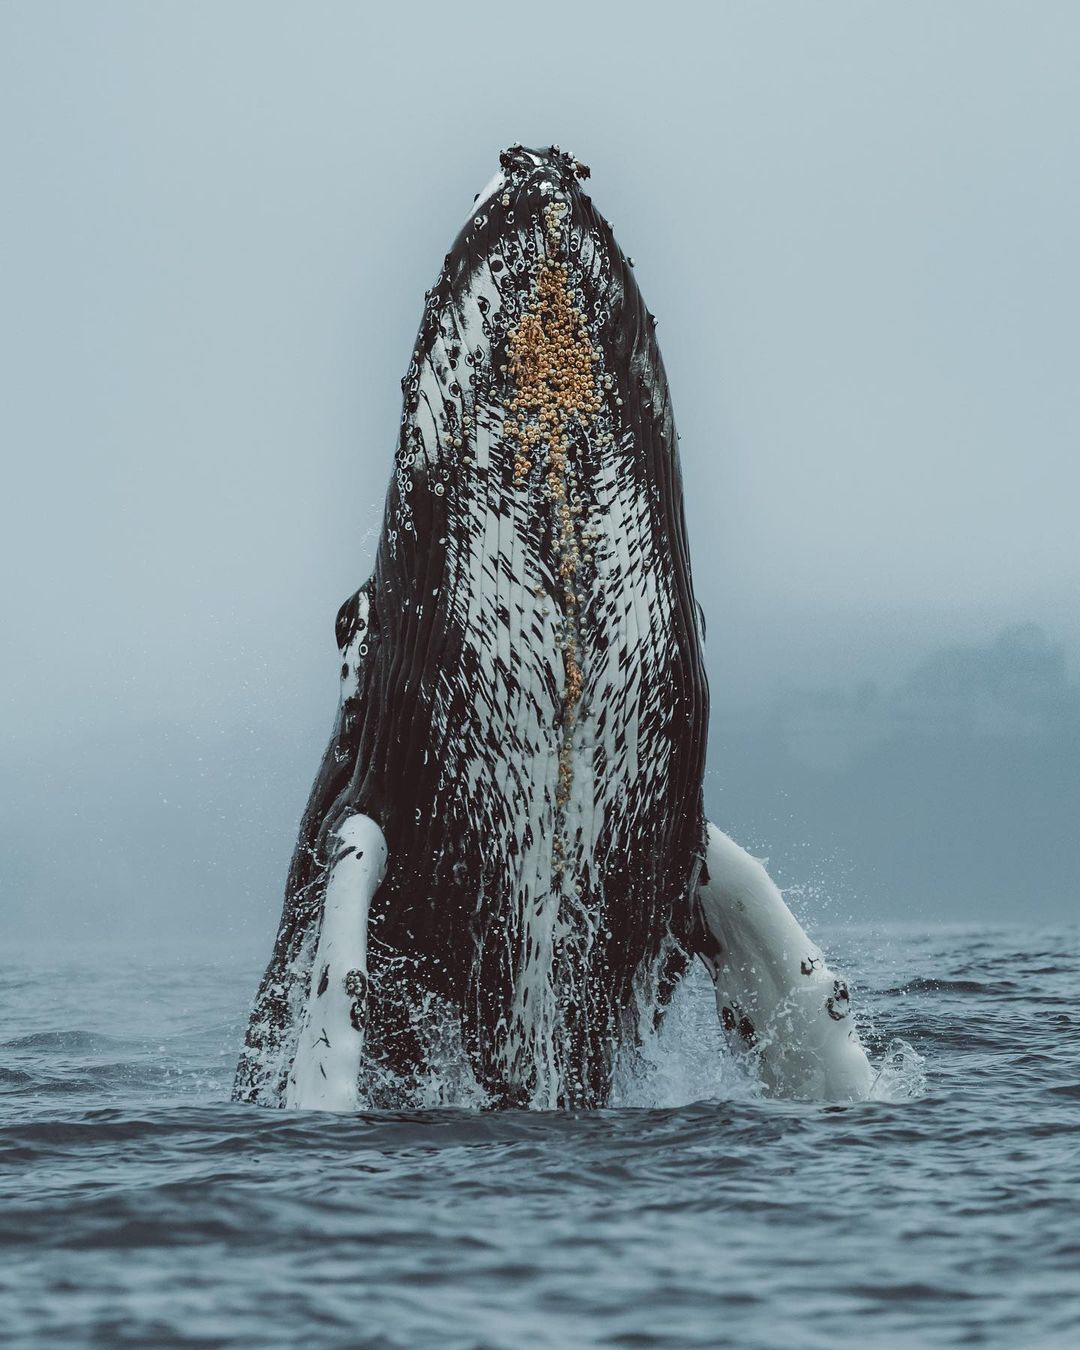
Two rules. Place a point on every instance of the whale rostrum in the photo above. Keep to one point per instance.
(506, 843)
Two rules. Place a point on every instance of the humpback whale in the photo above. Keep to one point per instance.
(506, 842)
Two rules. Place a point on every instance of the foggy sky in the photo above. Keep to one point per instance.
(856, 222)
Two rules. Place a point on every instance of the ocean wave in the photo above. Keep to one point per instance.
(142, 1207)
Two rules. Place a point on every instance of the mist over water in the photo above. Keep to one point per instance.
(857, 226)
(945, 791)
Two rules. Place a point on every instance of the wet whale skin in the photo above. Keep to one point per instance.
(524, 706)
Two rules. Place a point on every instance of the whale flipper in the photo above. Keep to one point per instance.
(326, 1069)
(291, 979)
(778, 1000)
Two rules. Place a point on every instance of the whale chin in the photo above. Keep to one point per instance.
(505, 843)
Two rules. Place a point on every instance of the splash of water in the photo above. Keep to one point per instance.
(683, 1060)
(901, 1074)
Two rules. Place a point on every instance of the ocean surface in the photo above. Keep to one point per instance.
(141, 1208)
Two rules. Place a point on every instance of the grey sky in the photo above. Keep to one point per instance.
(857, 223)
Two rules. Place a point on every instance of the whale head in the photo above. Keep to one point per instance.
(524, 704)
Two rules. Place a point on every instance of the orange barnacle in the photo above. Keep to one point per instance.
(553, 366)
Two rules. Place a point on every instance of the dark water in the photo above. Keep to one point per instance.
(141, 1208)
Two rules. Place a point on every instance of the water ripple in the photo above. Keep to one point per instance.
(142, 1208)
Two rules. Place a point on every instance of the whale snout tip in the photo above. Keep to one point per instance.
(518, 158)
(524, 172)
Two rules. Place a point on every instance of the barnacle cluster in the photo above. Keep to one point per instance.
(553, 366)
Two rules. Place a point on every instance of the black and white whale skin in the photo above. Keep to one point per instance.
(506, 841)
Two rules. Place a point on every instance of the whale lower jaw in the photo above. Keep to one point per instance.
(560, 813)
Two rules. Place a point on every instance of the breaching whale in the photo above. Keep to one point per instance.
(506, 842)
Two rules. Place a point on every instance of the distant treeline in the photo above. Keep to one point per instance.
(955, 793)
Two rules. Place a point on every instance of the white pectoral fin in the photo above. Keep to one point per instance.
(326, 1069)
(777, 998)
